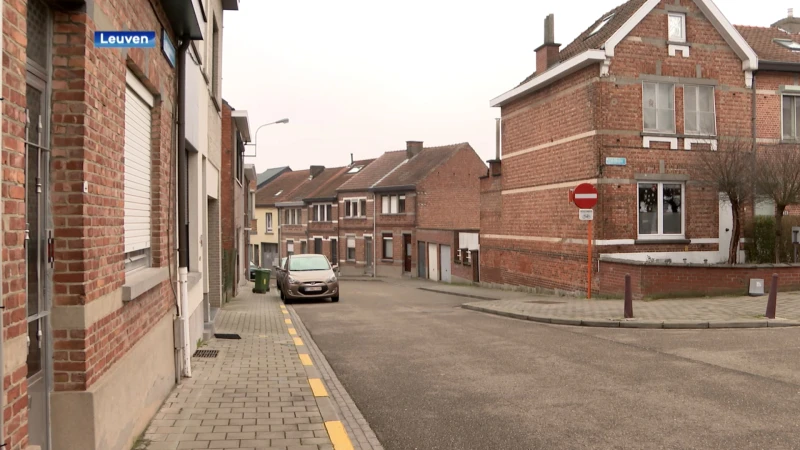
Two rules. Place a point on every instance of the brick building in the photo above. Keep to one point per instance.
(627, 107)
(88, 251)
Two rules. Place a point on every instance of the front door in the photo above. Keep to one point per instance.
(407, 253)
(368, 254)
(38, 226)
(421, 266)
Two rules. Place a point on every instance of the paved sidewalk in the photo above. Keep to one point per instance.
(720, 312)
(259, 392)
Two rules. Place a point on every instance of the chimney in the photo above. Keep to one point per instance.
(351, 159)
(547, 53)
(494, 164)
(790, 23)
(316, 170)
(413, 148)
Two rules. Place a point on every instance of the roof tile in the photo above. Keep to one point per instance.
(762, 40)
(418, 167)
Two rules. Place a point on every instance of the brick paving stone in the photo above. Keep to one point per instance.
(253, 395)
(716, 309)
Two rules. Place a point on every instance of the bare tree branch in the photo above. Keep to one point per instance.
(777, 178)
(730, 171)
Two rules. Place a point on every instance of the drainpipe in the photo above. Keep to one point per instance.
(2, 329)
(183, 223)
(374, 238)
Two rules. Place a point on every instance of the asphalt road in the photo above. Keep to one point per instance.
(427, 374)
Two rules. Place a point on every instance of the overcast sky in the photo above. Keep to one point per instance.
(362, 77)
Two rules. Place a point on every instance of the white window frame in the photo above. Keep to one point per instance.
(660, 210)
(350, 240)
(320, 211)
(657, 108)
(268, 224)
(290, 246)
(355, 208)
(682, 17)
(390, 204)
(384, 240)
(796, 135)
(698, 88)
(140, 257)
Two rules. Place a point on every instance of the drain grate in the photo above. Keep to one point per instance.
(545, 302)
(226, 336)
(206, 353)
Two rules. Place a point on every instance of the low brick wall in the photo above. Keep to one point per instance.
(660, 280)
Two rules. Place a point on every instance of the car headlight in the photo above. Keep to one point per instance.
(293, 280)
(332, 279)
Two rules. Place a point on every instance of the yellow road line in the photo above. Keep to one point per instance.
(338, 435)
(305, 359)
(317, 387)
(298, 341)
(285, 311)
(288, 321)
(292, 331)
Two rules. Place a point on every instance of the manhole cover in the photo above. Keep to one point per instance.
(545, 302)
(206, 353)
(226, 336)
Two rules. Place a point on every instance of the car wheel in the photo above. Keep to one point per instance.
(335, 299)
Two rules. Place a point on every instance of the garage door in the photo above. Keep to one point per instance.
(433, 262)
(445, 263)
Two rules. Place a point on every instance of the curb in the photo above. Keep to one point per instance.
(458, 294)
(642, 324)
(338, 425)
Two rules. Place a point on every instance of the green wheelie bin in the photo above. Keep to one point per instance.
(262, 281)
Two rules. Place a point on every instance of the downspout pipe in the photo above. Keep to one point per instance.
(183, 204)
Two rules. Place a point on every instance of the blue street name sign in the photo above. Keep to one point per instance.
(613, 161)
(125, 39)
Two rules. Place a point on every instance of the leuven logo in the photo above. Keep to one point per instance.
(125, 39)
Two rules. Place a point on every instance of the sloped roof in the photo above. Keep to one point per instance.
(311, 186)
(418, 167)
(585, 42)
(375, 171)
(328, 190)
(762, 40)
(284, 186)
(269, 174)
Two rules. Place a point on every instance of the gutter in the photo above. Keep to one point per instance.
(407, 187)
(779, 66)
(289, 204)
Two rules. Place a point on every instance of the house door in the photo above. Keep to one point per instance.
(370, 267)
(475, 265)
(445, 259)
(433, 262)
(407, 253)
(421, 266)
(38, 234)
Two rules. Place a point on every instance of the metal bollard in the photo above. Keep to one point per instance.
(772, 300)
(628, 297)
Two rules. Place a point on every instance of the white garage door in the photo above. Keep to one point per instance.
(433, 262)
(138, 144)
(446, 263)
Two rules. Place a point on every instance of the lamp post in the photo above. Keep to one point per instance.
(255, 144)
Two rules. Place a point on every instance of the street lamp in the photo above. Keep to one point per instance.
(255, 144)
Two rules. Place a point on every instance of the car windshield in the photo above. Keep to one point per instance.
(283, 263)
(309, 263)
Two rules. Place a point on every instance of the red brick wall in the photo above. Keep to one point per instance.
(449, 197)
(227, 181)
(654, 281)
(357, 227)
(87, 129)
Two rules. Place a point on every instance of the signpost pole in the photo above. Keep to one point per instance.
(589, 264)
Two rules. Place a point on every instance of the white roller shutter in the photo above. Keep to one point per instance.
(138, 166)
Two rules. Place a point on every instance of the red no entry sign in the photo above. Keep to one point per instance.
(585, 196)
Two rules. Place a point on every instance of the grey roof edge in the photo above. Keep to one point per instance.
(779, 66)
(405, 187)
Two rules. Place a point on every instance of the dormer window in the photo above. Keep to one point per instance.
(601, 25)
(788, 43)
(355, 169)
(279, 193)
(677, 27)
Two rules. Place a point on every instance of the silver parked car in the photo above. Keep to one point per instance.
(309, 276)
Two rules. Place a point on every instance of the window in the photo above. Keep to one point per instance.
(318, 246)
(138, 171)
(601, 25)
(788, 43)
(215, 61)
(269, 222)
(790, 117)
(278, 193)
(334, 251)
(355, 169)
(699, 110)
(388, 247)
(393, 204)
(322, 213)
(661, 209)
(309, 263)
(355, 207)
(351, 248)
(293, 216)
(290, 247)
(303, 247)
(677, 27)
(658, 107)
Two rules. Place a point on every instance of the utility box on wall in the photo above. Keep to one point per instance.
(795, 235)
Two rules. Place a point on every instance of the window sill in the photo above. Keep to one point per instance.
(661, 241)
(676, 135)
(355, 217)
(386, 260)
(141, 281)
(394, 214)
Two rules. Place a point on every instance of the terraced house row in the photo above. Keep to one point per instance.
(630, 106)
(411, 212)
(110, 218)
